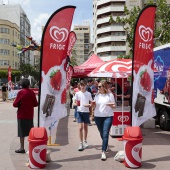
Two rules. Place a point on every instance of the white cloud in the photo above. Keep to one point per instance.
(36, 31)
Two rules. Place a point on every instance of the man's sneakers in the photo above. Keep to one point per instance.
(83, 146)
(20, 151)
(103, 156)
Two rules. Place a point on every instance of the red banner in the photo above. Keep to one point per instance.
(9, 78)
(54, 63)
(142, 98)
(72, 40)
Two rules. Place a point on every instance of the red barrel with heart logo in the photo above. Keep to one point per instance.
(132, 146)
(37, 147)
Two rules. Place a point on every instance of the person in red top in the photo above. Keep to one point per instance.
(25, 102)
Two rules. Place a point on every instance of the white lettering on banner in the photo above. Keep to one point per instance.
(144, 46)
(79, 71)
(57, 46)
(123, 118)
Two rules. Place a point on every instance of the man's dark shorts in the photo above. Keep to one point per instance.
(83, 117)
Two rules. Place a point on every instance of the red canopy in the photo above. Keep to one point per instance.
(117, 68)
(93, 62)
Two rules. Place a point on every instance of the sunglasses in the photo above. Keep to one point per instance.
(99, 86)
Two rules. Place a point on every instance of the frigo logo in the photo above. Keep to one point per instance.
(123, 118)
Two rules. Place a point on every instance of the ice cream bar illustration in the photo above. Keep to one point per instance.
(48, 105)
(140, 104)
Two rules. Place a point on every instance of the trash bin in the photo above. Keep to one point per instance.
(132, 146)
(37, 147)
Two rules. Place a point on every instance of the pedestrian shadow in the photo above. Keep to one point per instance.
(110, 154)
(99, 147)
(62, 132)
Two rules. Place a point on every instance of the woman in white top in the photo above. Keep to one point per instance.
(104, 104)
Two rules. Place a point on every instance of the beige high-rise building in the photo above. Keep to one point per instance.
(82, 46)
(9, 33)
(14, 21)
(110, 38)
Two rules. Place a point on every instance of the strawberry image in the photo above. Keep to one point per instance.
(55, 79)
(145, 80)
(63, 96)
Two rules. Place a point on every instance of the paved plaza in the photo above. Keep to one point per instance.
(155, 149)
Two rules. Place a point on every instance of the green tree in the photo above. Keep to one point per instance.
(28, 69)
(162, 28)
(73, 60)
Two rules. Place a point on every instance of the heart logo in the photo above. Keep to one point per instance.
(58, 34)
(146, 34)
(123, 118)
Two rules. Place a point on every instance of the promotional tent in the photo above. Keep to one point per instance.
(93, 62)
(116, 68)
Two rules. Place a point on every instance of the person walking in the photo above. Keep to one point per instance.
(83, 99)
(4, 92)
(76, 89)
(104, 104)
(25, 102)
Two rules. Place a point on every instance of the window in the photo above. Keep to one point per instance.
(4, 62)
(4, 41)
(4, 52)
(4, 30)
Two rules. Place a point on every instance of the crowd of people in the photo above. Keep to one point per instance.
(96, 99)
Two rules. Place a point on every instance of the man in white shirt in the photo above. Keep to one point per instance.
(83, 100)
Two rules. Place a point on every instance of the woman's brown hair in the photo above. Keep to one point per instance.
(104, 85)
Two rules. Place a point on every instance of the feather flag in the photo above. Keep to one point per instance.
(54, 64)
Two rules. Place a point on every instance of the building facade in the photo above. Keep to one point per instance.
(9, 34)
(109, 38)
(15, 15)
(82, 46)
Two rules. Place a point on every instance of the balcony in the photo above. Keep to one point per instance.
(109, 29)
(110, 9)
(111, 48)
(106, 19)
(108, 58)
(111, 38)
(101, 2)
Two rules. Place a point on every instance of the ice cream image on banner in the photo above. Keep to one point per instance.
(143, 92)
(57, 110)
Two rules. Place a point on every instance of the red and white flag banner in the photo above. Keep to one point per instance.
(54, 65)
(143, 67)
(9, 78)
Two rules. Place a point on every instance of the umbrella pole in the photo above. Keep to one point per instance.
(122, 104)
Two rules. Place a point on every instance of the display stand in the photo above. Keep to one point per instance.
(49, 140)
(122, 117)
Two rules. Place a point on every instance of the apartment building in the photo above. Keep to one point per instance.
(9, 33)
(82, 46)
(109, 39)
(14, 15)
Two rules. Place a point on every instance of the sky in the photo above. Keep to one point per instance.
(39, 11)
